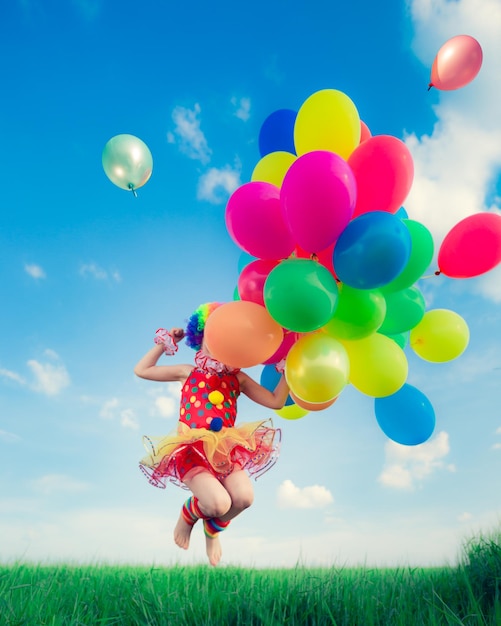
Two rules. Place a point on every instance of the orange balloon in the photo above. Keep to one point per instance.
(313, 406)
(242, 334)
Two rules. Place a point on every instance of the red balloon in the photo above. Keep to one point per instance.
(384, 171)
(472, 247)
(325, 257)
(252, 278)
(365, 132)
(457, 63)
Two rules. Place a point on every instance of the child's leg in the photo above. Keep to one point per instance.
(210, 499)
(239, 488)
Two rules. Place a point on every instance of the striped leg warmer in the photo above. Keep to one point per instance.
(213, 526)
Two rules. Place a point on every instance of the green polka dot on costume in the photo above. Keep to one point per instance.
(208, 405)
(187, 416)
(194, 389)
(188, 405)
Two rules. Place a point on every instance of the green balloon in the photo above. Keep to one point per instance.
(419, 259)
(300, 294)
(401, 339)
(359, 313)
(127, 162)
(404, 310)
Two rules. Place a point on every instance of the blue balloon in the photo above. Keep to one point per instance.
(277, 132)
(270, 378)
(402, 213)
(372, 250)
(406, 417)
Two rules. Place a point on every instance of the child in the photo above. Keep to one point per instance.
(208, 454)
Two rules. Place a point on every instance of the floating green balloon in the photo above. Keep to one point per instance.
(401, 339)
(442, 335)
(359, 313)
(300, 294)
(127, 162)
(404, 310)
(419, 260)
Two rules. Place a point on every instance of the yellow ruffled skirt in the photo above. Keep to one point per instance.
(251, 446)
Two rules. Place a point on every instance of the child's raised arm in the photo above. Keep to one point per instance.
(147, 366)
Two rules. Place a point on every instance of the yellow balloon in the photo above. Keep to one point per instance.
(317, 368)
(273, 167)
(378, 366)
(291, 412)
(327, 120)
(441, 335)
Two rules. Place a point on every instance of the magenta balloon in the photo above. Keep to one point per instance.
(318, 197)
(457, 63)
(384, 171)
(472, 247)
(252, 278)
(289, 340)
(255, 221)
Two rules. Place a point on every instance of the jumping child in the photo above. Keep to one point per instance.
(208, 454)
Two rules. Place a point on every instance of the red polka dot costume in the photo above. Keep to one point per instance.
(206, 436)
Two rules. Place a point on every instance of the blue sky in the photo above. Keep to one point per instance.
(88, 272)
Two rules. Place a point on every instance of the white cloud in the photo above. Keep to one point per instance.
(35, 271)
(457, 165)
(407, 465)
(498, 431)
(108, 409)
(12, 376)
(97, 272)
(217, 184)
(128, 419)
(166, 406)
(9, 437)
(50, 379)
(465, 517)
(188, 134)
(243, 106)
(313, 497)
(58, 483)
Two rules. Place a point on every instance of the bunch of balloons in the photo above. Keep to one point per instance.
(330, 282)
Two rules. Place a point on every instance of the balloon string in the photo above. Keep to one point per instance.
(437, 273)
(131, 187)
(430, 86)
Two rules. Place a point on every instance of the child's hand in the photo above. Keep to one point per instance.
(177, 334)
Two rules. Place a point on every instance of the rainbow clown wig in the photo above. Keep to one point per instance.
(196, 324)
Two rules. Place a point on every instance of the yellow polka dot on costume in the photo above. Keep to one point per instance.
(202, 383)
(193, 398)
(216, 397)
(182, 411)
(197, 404)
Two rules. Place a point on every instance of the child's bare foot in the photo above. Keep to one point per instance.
(182, 533)
(213, 549)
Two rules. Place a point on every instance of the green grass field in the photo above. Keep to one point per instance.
(469, 593)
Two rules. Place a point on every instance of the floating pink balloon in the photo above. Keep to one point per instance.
(472, 247)
(318, 197)
(252, 278)
(384, 171)
(457, 63)
(255, 221)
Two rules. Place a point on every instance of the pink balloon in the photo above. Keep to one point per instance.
(255, 221)
(384, 171)
(365, 132)
(457, 63)
(472, 247)
(318, 197)
(252, 278)
(289, 340)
